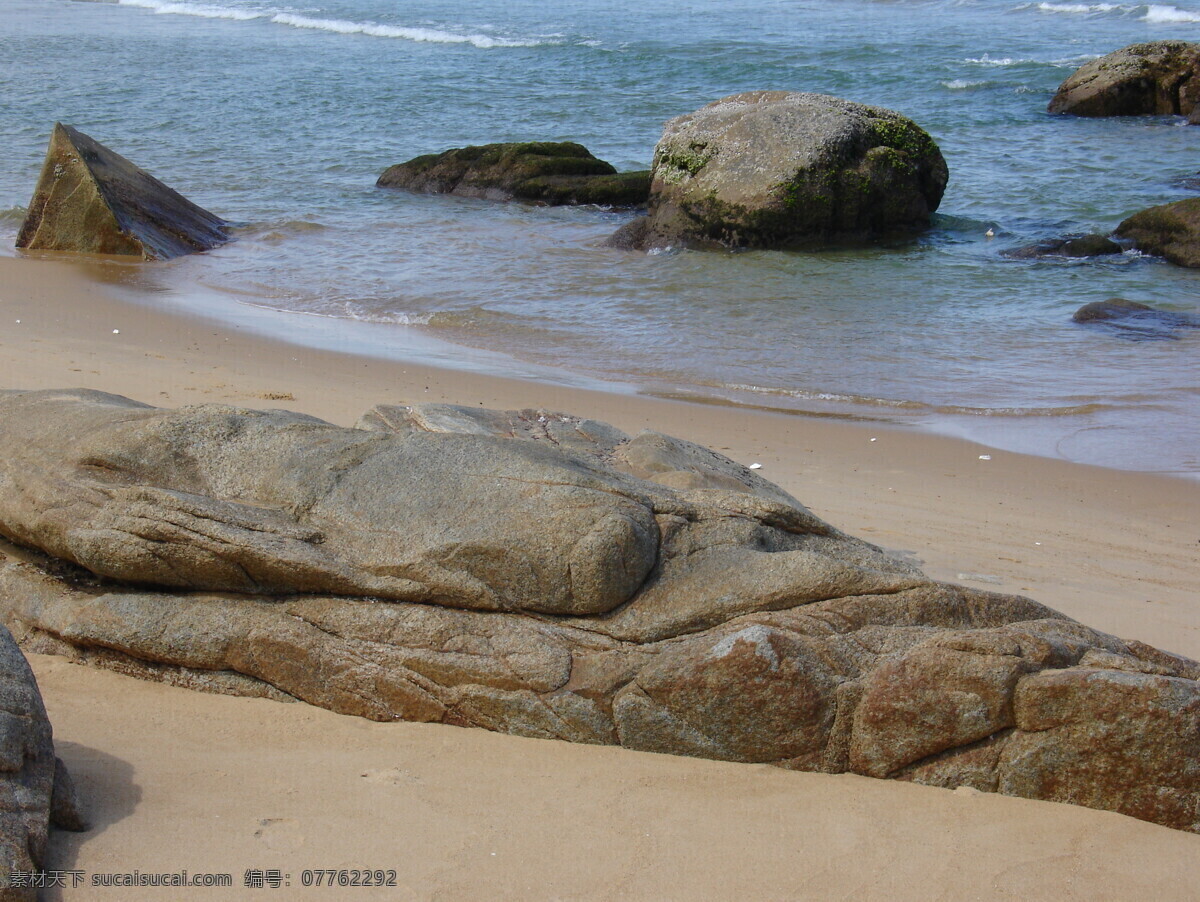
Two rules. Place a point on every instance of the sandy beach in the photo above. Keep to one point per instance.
(177, 780)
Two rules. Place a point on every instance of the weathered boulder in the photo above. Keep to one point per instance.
(1170, 231)
(546, 172)
(1075, 246)
(1141, 79)
(35, 789)
(90, 200)
(1135, 321)
(546, 575)
(782, 169)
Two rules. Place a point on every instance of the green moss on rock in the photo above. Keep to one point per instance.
(1171, 231)
(540, 171)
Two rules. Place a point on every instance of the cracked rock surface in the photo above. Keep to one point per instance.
(544, 575)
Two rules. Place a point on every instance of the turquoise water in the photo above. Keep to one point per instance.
(281, 117)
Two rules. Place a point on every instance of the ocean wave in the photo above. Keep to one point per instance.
(961, 84)
(1067, 410)
(13, 214)
(376, 30)
(1082, 7)
(1169, 15)
(986, 60)
(201, 10)
(334, 26)
(344, 310)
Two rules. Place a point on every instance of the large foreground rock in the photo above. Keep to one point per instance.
(779, 169)
(546, 172)
(1170, 231)
(545, 575)
(1157, 77)
(90, 200)
(35, 789)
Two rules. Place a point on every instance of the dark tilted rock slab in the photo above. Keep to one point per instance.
(551, 173)
(1157, 77)
(1077, 246)
(775, 169)
(1170, 231)
(545, 575)
(1135, 321)
(35, 789)
(90, 200)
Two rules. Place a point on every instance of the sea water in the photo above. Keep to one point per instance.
(281, 116)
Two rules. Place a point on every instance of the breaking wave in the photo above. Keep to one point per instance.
(1170, 15)
(334, 26)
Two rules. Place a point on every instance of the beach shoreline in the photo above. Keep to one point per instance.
(1085, 539)
(175, 779)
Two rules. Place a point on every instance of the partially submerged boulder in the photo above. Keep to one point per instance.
(1157, 77)
(1072, 246)
(1134, 320)
(771, 169)
(546, 172)
(1170, 231)
(90, 200)
(551, 576)
(36, 791)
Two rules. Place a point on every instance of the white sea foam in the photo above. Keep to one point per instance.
(336, 26)
(202, 10)
(1170, 15)
(961, 84)
(376, 30)
(987, 60)
(1079, 7)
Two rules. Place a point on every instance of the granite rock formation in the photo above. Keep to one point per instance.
(89, 200)
(545, 172)
(778, 169)
(35, 789)
(1157, 77)
(544, 575)
(1170, 231)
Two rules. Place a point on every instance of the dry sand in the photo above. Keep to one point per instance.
(179, 780)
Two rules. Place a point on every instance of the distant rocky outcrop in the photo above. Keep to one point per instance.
(90, 200)
(36, 791)
(1134, 320)
(1158, 77)
(1170, 231)
(777, 169)
(551, 173)
(1074, 246)
(544, 575)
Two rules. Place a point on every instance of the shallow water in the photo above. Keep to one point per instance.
(281, 117)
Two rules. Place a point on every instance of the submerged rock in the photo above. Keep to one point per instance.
(1135, 321)
(1170, 231)
(1158, 77)
(90, 200)
(552, 173)
(36, 791)
(551, 576)
(782, 169)
(1079, 246)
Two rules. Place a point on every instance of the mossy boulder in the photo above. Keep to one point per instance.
(90, 200)
(551, 173)
(1153, 78)
(784, 169)
(1171, 231)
